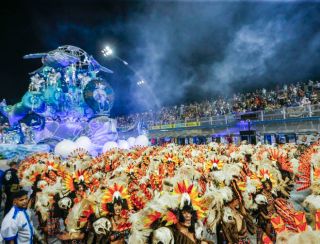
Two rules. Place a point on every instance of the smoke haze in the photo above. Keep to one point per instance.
(187, 50)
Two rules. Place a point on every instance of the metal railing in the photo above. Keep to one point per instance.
(223, 120)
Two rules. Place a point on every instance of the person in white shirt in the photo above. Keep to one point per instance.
(16, 226)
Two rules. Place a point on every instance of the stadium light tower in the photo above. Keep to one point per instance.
(140, 82)
(108, 52)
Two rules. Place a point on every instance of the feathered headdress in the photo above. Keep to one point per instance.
(83, 177)
(114, 193)
(265, 175)
(170, 158)
(190, 196)
(213, 164)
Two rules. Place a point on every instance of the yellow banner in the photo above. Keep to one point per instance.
(192, 124)
(168, 126)
(155, 127)
(178, 125)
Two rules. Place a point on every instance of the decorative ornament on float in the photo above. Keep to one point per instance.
(131, 141)
(66, 56)
(109, 146)
(99, 96)
(34, 101)
(123, 144)
(102, 129)
(65, 148)
(84, 142)
(142, 141)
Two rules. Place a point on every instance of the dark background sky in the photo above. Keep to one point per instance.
(185, 50)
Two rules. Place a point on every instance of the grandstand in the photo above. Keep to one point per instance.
(282, 115)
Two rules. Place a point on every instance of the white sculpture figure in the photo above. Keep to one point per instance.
(27, 131)
(100, 95)
(84, 79)
(53, 77)
(37, 83)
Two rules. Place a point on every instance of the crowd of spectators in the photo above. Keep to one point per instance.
(297, 94)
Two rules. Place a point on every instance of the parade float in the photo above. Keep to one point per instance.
(67, 102)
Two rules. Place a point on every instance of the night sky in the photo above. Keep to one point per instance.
(185, 50)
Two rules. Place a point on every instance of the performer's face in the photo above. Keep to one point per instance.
(187, 218)
(117, 208)
(268, 186)
(21, 202)
(81, 188)
(234, 204)
(14, 166)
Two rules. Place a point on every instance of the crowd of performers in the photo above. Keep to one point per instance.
(212, 193)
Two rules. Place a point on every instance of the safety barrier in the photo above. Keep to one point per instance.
(306, 111)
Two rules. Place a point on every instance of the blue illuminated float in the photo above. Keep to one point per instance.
(66, 99)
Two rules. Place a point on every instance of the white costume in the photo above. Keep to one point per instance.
(17, 226)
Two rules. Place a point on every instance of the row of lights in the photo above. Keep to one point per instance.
(141, 82)
(107, 51)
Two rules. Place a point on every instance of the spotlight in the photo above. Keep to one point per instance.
(140, 82)
(107, 51)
